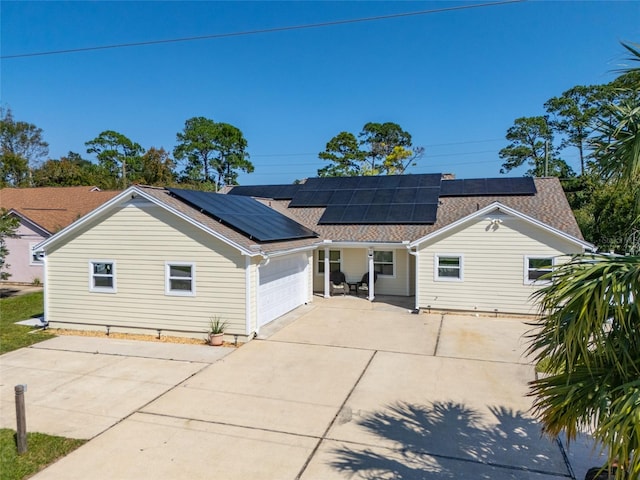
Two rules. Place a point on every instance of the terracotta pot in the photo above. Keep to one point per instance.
(215, 339)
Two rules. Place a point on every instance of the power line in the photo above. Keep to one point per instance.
(304, 154)
(261, 31)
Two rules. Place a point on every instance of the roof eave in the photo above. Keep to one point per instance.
(499, 206)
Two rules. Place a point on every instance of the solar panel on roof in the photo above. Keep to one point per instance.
(488, 186)
(377, 213)
(332, 214)
(427, 195)
(400, 213)
(354, 214)
(277, 192)
(248, 216)
(451, 188)
(425, 213)
(383, 196)
(475, 186)
(363, 197)
(405, 195)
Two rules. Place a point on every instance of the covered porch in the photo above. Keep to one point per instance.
(369, 269)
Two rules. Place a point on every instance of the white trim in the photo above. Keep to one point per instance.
(114, 287)
(247, 295)
(510, 211)
(436, 267)
(31, 255)
(525, 276)
(167, 279)
(45, 279)
(416, 255)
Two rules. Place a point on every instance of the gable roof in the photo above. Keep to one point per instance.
(163, 198)
(53, 208)
(497, 206)
(548, 205)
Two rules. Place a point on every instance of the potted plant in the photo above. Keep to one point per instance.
(216, 331)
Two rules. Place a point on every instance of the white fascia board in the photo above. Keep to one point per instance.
(510, 211)
(392, 245)
(281, 253)
(131, 192)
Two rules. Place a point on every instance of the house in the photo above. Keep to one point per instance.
(157, 260)
(474, 245)
(41, 213)
(167, 260)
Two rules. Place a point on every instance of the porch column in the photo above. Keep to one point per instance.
(327, 273)
(371, 276)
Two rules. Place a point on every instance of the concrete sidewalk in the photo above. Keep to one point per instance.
(345, 389)
(79, 386)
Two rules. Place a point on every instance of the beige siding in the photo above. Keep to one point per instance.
(355, 265)
(140, 238)
(493, 265)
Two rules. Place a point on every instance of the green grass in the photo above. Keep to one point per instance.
(14, 309)
(42, 450)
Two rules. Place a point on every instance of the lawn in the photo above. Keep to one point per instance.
(14, 309)
(42, 450)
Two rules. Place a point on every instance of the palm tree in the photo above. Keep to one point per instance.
(589, 327)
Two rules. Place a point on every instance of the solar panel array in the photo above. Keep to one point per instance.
(392, 199)
(277, 192)
(246, 215)
(488, 186)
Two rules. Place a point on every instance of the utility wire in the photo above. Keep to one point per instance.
(260, 31)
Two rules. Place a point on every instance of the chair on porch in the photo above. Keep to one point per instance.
(338, 282)
(363, 285)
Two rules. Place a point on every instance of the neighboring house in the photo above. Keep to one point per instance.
(169, 260)
(42, 212)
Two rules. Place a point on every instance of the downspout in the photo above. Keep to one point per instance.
(417, 271)
(263, 263)
(45, 286)
(247, 289)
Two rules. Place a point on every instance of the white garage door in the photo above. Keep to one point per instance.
(283, 286)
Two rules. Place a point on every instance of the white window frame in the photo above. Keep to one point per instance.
(33, 258)
(92, 287)
(168, 278)
(436, 267)
(529, 281)
(393, 263)
(321, 262)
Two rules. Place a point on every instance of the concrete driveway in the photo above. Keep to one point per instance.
(341, 388)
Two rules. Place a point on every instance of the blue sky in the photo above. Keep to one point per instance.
(455, 80)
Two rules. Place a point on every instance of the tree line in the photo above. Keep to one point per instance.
(584, 120)
(212, 155)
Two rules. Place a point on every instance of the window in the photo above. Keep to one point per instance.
(334, 261)
(102, 275)
(448, 268)
(536, 267)
(180, 279)
(35, 258)
(383, 262)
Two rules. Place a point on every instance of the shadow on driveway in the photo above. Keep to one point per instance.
(445, 440)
